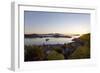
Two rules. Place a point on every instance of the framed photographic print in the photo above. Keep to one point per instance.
(52, 36)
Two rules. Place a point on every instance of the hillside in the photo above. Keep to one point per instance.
(82, 51)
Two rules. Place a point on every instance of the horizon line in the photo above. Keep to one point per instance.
(58, 33)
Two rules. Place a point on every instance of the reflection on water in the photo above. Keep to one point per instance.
(47, 40)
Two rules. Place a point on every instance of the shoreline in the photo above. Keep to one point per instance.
(78, 49)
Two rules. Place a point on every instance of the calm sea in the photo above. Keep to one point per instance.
(51, 40)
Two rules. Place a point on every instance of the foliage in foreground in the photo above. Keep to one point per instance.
(82, 51)
(34, 53)
(55, 56)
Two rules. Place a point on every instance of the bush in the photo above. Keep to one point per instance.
(33, 53)
(80, 53)
(53, 55)
(58, 49)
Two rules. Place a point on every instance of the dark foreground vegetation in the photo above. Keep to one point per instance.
(78, 49)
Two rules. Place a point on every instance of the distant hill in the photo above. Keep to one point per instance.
(56, 35)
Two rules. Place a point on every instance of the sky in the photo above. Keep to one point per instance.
(56, 22)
